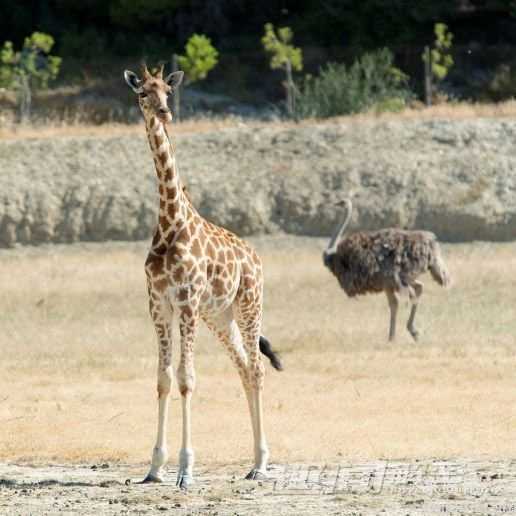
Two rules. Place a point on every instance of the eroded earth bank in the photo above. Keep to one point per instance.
(456, 178)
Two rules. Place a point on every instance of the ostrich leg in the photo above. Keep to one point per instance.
(392, 297)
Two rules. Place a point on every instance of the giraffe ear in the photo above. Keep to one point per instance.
(132, 81)
(174, 79)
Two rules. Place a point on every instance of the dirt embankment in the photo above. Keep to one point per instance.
(457, 178)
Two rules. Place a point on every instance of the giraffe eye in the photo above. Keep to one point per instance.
(143, 95)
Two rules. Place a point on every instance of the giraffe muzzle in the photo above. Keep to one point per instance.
(165, 114)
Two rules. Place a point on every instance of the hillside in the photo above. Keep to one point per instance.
(455, 177)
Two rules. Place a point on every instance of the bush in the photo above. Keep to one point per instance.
(371, 81)
(503, 84)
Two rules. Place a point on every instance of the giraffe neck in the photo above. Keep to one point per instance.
(174, 207)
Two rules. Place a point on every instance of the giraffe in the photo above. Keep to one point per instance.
(197, 271)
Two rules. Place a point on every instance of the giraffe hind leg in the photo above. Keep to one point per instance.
(228, 332)
(249, 319)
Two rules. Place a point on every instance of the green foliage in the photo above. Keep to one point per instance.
(200, 57)
(503, 84)
(283, 55)
(6, 65)
(363, 25)
(279, 45)
(390, 105)
(31, 67)
(442, 60)
(331, 29)
(134, 13)
(32, 61)
(371, 82)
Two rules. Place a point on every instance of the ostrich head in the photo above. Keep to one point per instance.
(330, 251)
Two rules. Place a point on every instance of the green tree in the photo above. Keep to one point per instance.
(200, 57)
(438, 59)
(442, 60)
(29, 68)
(285, 56)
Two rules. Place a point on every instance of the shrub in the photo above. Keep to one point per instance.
(371, 81)
(503, 84)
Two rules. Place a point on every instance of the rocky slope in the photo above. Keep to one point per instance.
(457, 178)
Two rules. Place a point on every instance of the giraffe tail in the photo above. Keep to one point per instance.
(266, 349)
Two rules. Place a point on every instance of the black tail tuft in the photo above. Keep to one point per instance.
(266, 349)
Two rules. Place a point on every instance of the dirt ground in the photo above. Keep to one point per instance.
(355, 425)
(408, 488)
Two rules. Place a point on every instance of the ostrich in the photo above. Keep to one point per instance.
(388, 260)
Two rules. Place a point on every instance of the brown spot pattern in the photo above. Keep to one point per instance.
(198, 270)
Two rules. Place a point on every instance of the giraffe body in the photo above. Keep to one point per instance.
(197, 271)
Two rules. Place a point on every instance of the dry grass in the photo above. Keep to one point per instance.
(456, 111)
(459, 110)
(21, 132)
(77, 376)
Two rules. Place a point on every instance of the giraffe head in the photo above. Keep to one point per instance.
(153, 91)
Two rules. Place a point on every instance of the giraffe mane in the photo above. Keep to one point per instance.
(185, 189)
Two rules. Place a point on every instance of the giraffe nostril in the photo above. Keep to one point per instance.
(164, 110)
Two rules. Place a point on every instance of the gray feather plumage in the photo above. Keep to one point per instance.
(373, 261)
(388, 260)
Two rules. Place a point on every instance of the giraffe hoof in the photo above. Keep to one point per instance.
(152, 479)
(184, 480)
(256, 474)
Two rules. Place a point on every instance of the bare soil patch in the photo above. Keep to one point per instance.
(408, 488)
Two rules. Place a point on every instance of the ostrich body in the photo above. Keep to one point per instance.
(388, 260)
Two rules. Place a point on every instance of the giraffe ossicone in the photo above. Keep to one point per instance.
(197, 271)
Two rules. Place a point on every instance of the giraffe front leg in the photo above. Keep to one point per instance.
(188, 323)
(163, 327)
